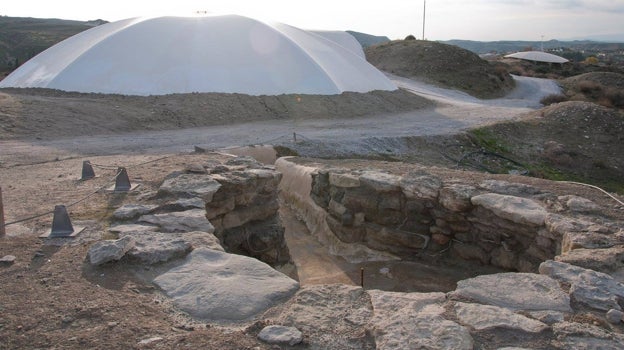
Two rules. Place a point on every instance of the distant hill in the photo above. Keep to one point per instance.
(21, 38)
(481, 47)
(367, 40)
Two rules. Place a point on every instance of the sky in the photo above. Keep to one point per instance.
(484, 20)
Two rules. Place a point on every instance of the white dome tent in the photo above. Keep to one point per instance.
(228, 54)
(537, 56)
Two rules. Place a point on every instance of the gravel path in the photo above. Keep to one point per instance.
(454, 111)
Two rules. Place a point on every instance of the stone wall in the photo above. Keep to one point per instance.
(420, 215)
(240, 199)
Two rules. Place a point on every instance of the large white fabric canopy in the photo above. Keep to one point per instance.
(537, 56)
(229, 54)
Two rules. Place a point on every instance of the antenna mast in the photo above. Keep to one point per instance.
(424, 11)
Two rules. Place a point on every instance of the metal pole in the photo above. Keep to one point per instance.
(362, 277)
(2, 230)
(424, 11)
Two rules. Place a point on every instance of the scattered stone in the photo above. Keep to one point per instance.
(515, 291)
(213, 285)
(594, 289)
(414, 321)
(181, 221)
(150, 340)
(132, 211)
(105, 251)
(509, 188)
(195, 169)
(189, 186)
(420, 185)
(157, 247)
(484, 317)
(281, 335)
(615, 316)
(7, 260)
(112, 324)
(519, 210)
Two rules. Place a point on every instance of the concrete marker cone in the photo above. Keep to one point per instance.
(87, 171)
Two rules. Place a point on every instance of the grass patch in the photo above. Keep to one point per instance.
(488, 140)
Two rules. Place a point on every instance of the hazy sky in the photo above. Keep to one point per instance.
(446, 19)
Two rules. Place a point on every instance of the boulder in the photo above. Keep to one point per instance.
(132, 211)
(110, 250)
(484, 317)
(189, 186)
(182, 221)
(414, 321)
(519, 210)
(132, 228)
(515, 291)
(615, 316)
(281, 335)
(588, 287)
(214, 285)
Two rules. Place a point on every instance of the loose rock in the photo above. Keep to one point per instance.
(281, 335)
(106, 251)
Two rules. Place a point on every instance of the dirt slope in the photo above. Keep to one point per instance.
(441, 64)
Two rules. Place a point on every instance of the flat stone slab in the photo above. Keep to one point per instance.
(420, 185)
(519, 210)
(414, 321)
(592, 288)
(214, 285)
(483, 317)
(190, 185)
(572, 335)
(132, 228)
(380, 182)
(515, 291)
(180, 221)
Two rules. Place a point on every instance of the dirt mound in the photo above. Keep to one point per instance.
(606, 79)
(604, 88)
(577, 141)
(441, 64)
(46, 113)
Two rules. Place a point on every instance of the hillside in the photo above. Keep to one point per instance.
(367, 40)
(22, 38)
(441, 64)
(502, 46)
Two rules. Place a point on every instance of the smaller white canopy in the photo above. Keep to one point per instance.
(537, 56)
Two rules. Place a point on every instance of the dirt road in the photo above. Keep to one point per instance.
(454, 111)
